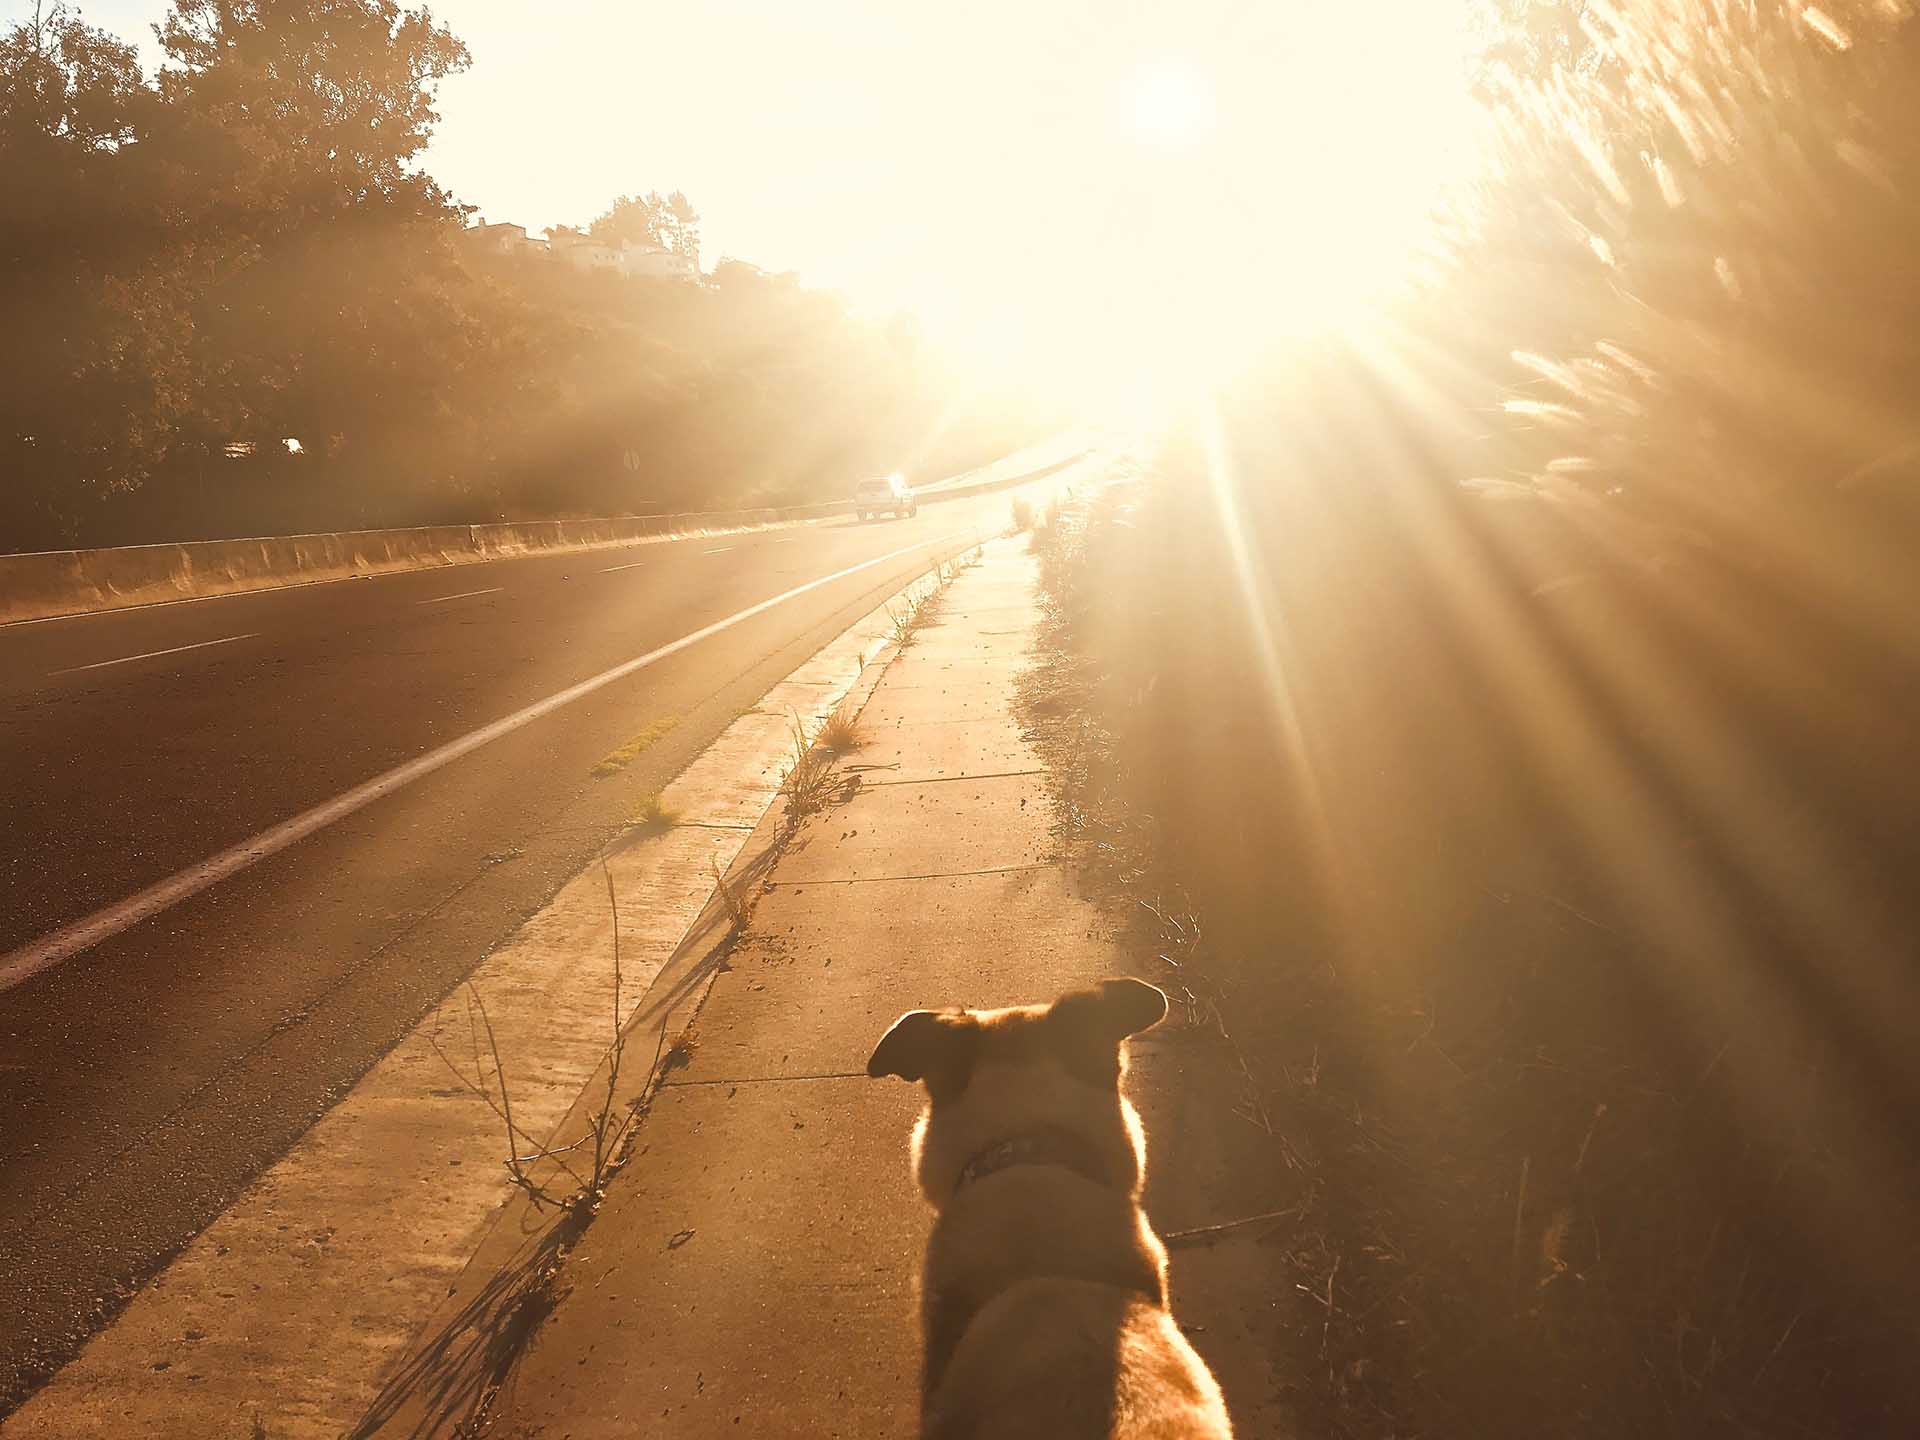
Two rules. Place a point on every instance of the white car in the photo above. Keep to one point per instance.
(890, 493)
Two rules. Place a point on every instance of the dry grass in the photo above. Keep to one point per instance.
(842, 733)
(733, 900)
(1022, 514)
(813, 781)
(653, 813)
(915, 607)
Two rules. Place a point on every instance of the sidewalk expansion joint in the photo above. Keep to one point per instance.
(1023, 606)
(763, 1079)
(949, 779)
(935, 875)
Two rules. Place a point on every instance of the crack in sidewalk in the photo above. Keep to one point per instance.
(935, 875)
(763, 1079)
(949, 779)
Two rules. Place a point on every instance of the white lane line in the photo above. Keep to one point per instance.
(634, 566)
(49, 950)
(721, 551)
(149, 654)
(463, 595)
(790, 540)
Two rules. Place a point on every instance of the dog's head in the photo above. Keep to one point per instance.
(995, 1076)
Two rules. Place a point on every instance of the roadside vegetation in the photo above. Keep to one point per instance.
(1502, 734)
(569, 1178)
(614, 761)
(236, 305)
(815, 779)
(842, 733)
(654, 814)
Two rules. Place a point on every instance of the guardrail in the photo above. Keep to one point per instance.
(48, 583)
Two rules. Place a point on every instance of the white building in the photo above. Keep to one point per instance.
(500, 239)
(584, 252)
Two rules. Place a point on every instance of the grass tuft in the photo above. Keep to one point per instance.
(654, 813)
(811, 782)
(732, 900)
(618, 760)
(842, 731)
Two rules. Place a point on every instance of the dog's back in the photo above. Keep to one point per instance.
(1044, 1299)
(1054, 1358)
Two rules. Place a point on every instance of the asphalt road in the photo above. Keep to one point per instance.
(147, 1077)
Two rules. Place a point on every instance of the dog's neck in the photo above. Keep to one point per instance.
(1049, 1146)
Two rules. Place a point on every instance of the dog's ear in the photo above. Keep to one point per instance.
(1111, 1010)
(936, 1046)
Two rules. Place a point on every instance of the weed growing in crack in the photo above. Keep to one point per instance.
(916, 604)
(680, 1054)
(812, 782)
(731, 900)
(902, 622)
(654, 813)
(842, 731)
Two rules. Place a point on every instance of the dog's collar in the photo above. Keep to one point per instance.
(1038, 1147)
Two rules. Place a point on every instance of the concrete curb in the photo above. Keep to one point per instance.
(47, 584)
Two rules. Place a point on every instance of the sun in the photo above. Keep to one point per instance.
(1191, 201)
(1172, 104)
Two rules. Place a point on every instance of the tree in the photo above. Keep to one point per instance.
(324, 103)
(65, 81)
(652, 222)
(89, 384)
(197, 270)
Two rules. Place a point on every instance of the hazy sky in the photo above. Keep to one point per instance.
(983, 162)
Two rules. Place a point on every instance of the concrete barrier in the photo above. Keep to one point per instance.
(50, 583)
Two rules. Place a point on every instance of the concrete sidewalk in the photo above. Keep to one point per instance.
(752, 1269)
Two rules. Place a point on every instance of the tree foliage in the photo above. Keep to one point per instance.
(239, 305)
(667, 223)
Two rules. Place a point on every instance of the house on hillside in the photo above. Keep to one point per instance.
(500, 239)
(655, 263)
(582, 251)
(585, 252)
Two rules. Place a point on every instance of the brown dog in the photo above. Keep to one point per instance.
(1044, 1297)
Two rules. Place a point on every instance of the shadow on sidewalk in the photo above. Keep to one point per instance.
(449, 1381)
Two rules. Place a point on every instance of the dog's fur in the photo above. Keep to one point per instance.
(1044, 1297)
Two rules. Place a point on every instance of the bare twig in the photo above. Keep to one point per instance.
(1599, 1114)
(1326, 1324)
(1519, 1215)
(1207, 1234)
(1778, 1345)
(606, 1128)
(616, 1051)
(503, 1108)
